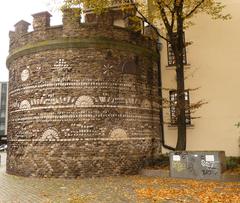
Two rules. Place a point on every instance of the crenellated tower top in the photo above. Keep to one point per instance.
(113, 25)
(83, 97)
(41, 20)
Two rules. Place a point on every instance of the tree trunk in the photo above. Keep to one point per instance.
(181, 117)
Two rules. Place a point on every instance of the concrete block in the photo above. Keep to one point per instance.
(208, 165)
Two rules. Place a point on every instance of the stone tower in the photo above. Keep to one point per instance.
(83, 98)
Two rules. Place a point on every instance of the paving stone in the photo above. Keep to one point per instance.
(121, 189)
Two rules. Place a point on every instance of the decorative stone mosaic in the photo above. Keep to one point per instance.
(84, 101)
(81, 111)
(50, 134)
(25, 74)
(25, 105)
(119, 133)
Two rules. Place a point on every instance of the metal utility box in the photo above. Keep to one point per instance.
(208, 165)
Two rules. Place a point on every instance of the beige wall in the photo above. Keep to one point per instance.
(214, 60)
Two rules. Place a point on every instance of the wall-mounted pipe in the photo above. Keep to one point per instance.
(159, 47)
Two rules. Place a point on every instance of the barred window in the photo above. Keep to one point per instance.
(171, 57)
(173, 104)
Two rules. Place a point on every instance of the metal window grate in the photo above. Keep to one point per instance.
(173, 107)
(171, 56)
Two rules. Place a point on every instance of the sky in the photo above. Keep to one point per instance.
(12, 11)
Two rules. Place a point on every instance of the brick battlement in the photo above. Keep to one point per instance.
(96, 26)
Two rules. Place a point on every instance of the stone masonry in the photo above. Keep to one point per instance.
(83, 98)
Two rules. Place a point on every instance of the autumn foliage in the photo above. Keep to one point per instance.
(169, 19)
(160, 190)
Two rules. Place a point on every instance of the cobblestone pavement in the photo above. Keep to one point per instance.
(100, 190)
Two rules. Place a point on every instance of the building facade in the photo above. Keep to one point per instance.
(212, 66)
(83, 97)
(3, 111)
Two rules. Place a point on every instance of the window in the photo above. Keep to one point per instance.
(171, 57)
(3, 100)
(2, 113)
(4, 88)
(2, 126)
(173, 104)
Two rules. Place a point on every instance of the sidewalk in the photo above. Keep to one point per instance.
(124, 189)
(18, 189)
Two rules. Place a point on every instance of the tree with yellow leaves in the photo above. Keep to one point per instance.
(172, 17)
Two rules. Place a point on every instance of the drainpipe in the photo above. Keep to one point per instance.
(159, 47)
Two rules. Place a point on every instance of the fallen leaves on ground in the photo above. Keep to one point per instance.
(78, 199)
(178, 190)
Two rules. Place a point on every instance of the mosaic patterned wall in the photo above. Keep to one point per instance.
(81, 111)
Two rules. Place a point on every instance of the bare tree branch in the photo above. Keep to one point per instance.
(173, 15)
(168, 7)
(194, 9)
(164, 17)
(148, 22)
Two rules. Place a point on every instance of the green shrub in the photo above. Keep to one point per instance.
(232, 162)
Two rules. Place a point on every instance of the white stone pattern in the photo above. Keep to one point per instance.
(77, 84)
(95, 106)
(84, 101)
(82, 115)
(108, 70)
(50, 134)
(61, 70)
(146, 104)
(86, 139)
(119, 134)
(25, 105)
(59, 102)
(53, 100)
(25, 74)
(77, 130)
